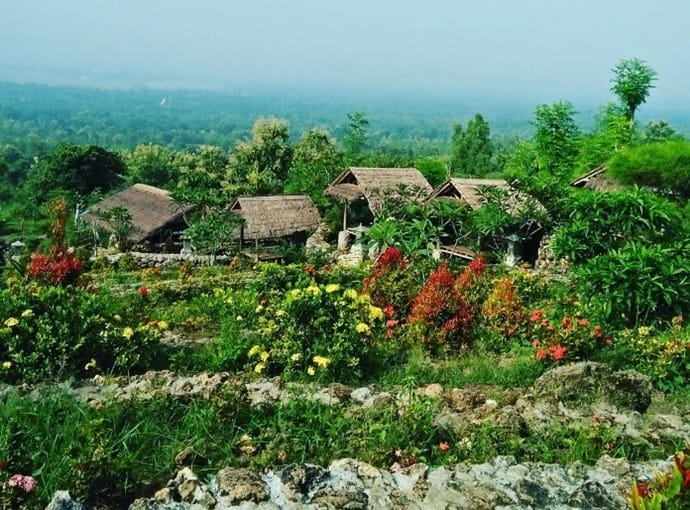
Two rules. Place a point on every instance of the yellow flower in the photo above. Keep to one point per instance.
(311, 370)
(642, 330)
(362, 328)
(321, 361)
(365, 298)
(259, 368)
(351, 294)
(263, 356)
(332, 287)
(256, 349)
(280, 312)
(296, 293)
(296, 357)
(375, 313)
(313, 290)
(11, 322)
(6, 364)
(163, 325)
(27, 313)
(127, 332)
(259, 309)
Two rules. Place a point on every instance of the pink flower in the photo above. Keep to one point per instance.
(25, 482)
(444, 447)
(536, 316)
(536, 342)
(597, 418)
(390, 323)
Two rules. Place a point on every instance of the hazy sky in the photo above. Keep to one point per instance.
(542, 50)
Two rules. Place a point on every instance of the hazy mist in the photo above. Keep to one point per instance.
(533, 50)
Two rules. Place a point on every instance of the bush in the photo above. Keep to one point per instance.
(56, 333)
(320, 329)
(638, 284)
(446, 307)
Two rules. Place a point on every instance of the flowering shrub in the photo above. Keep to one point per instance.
(571, 338)
(392, 282)
(15, 490)
(320, 329)
(663, 355)
(665, 489)
(57, 332)
(60, 266)
(446, 306)
(503, 316)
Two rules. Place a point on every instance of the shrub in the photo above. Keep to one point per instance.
(56, 332)
(446, 306)
(392, 282)
(638, 284)
(320, 329)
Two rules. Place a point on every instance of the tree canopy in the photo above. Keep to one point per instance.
(632, 81)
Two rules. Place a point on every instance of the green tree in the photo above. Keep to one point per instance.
(315, 163)
(632, 81)
(660, 131)
(150, 164)
(472, 151)
(355, 139)
(434, 169)
(556, 137)
(612, 132)
(76, 169)
(261, 165)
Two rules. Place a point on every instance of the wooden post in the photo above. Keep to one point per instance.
(345, 216)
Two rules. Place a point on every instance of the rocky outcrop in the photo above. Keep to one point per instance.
(351, 484)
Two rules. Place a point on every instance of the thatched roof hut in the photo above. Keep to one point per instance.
(152, 211)
(468, 191)
(372, 183)
(274, 217)
(597, 180)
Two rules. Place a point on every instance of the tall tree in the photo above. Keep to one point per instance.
(76, 169)
(472, 150)
(355, 139)
(150, 164)
(632, 81)
(556, 137)
(315, 163)
(261, 165)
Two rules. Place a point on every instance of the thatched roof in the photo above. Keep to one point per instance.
(597, 180)
(151, 208)
(370, 183)
(271, 217)
(468, 192)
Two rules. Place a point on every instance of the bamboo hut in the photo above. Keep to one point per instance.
(271, 218)
(373, 184)
(155, 217)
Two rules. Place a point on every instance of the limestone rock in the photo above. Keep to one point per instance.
(238, 485)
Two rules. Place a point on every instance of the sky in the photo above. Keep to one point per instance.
(537, 50)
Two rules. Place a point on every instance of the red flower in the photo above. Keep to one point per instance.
(444, 447)
(583, 323)
(642, 487)
(597, 418)
(143, 292)
(567, 323)
(541, 354)
(598, 331)
(389, 311)
(391, 323)
(536, 316)
(309, 268)
(558, 352)
(536, 342)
